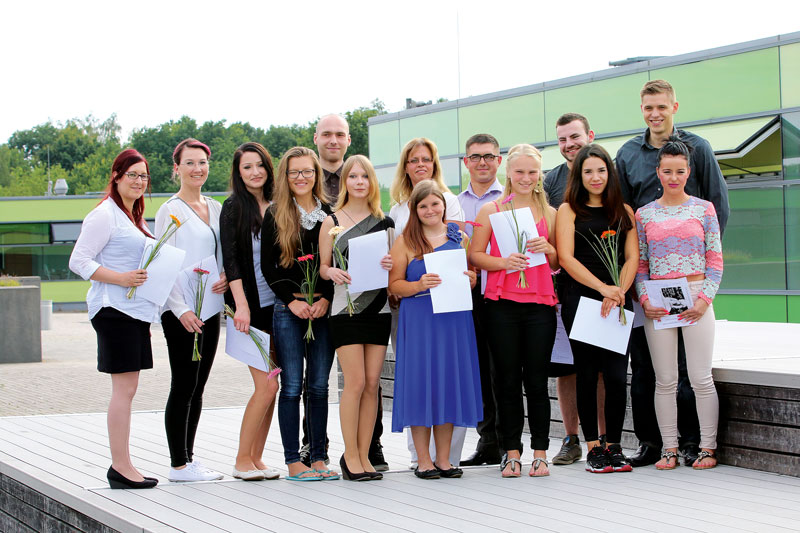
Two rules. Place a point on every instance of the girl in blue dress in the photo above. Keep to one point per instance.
(437, 380)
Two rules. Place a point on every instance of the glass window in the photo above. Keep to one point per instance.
(793, 236)
(791, 146)
(48, 262)
(451, 172)
(66, 231)
(36, 233)
(754, 247)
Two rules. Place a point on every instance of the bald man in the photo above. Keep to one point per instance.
(332, 138)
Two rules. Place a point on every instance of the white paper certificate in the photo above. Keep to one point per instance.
(590, 327)
(562, 351)
(188, 280)
(453, 293)
(161, 273)
(506, 233)
(364, 263)
(240, 346)
(672, 295)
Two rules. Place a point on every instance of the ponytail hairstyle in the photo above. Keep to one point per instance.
(124, 161)
(576, 194)
(412, 233)
(178, 153)
(539, 196)
(675, 147)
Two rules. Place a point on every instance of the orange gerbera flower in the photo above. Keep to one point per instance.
(608, 233)
(175, 220)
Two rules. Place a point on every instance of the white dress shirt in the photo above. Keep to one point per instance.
(400, 212)
(197, 238)
(110, 239)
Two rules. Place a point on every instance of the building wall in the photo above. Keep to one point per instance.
(722, 92)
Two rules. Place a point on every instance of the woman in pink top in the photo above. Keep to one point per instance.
(520, 311)
(679, 237)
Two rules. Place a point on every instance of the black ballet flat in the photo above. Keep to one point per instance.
(118, 481)
(433, 473)
(453, 472)
(353, 476)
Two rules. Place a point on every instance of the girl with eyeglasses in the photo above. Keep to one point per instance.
(108, 252)
(290, 255)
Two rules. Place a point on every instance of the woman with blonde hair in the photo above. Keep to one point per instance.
(419, 161)
(520, 311)
(290, 237)
(360, 331)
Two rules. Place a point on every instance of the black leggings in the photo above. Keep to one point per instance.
(589, 360)
(185, 402)
(521, 337)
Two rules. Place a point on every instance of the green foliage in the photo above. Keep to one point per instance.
(6, 281)
(83, 150)
(10, 158)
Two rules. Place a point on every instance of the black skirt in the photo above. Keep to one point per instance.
(123, 342)
(360, 329)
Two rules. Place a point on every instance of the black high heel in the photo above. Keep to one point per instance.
(352, 476)
(118, 481)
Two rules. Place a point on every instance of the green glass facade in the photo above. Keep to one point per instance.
(744, 99)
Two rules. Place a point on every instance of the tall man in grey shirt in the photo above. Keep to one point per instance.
(636, 164)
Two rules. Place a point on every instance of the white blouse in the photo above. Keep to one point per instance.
(400, 212)
(110, 239)
(197, 238)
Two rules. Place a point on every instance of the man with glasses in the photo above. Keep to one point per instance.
(482, 160)
(573, 133)
(636, 164)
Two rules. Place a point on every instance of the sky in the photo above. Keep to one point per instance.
(279, 63)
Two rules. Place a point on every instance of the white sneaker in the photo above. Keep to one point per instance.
(210, 475)
(191, 473)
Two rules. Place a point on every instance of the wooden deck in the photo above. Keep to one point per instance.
(64, 459)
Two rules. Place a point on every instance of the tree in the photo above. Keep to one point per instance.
(10, 158)
(359, 131)
(92, 174)
(32, 182)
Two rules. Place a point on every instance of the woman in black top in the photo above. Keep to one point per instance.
(291, 235)
(594, 209)
(240, 235)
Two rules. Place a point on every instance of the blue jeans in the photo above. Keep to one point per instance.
(292, 350)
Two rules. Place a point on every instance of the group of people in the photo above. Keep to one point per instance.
(281, 243)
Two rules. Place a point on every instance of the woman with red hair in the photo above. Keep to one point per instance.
(108, 252)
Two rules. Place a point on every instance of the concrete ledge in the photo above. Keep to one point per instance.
(75, 504)
(20, 324)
